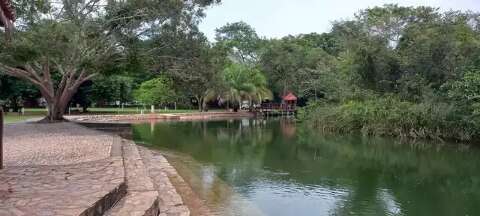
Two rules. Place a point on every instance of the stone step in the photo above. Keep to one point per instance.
(170, 201)
(142, 197)
(86, 189)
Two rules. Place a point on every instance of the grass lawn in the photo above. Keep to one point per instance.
(14, 117)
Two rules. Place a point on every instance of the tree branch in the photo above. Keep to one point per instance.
(29, 76)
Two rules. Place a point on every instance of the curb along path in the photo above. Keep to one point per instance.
(168, 181)
(142, 198)
(171, 203)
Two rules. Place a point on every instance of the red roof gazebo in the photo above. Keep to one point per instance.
(290, 97)
(287, 107)
(289, 102)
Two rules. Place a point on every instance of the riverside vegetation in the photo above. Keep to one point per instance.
(407, 72)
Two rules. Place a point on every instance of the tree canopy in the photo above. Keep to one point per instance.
(156, 91)
(241, 40)
(61, 45)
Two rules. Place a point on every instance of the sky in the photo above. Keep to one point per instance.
(278, 18)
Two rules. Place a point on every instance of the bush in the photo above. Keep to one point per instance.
(155, 91)
(389, 116)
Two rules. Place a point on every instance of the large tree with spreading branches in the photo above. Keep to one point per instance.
(57, 58)
(65, 43)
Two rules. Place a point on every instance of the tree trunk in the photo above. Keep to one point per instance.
(204, 105)
(57, 105)
(57, 97)
(1, 137)
(14, 104)
(55, 112)
(7, 22)
(199, 103)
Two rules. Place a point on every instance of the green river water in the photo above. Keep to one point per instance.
(279, 168)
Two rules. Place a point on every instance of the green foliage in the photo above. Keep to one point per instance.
(398, 71)
(107, 89)
(242, 41)
(155, 91)
(14, 91)
(392, 117)
(245, 83)
(194, 65)
(100, 37)
(465, 93)
(466, 89)
(291, 64)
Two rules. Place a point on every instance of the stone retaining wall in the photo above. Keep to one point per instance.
(144, 117)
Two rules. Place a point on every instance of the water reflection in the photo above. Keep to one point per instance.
(275, 167)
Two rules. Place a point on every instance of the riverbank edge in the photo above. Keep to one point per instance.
(178, 197)
(158, 117)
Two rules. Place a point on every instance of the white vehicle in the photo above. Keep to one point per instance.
(245, 105)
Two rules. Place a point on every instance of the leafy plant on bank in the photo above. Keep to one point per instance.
(389, 116)
(156, 91)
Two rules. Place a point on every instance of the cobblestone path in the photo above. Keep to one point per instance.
(27, 144)
(66, 169)
(59, 169)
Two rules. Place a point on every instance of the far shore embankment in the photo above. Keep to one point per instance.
(131, 118)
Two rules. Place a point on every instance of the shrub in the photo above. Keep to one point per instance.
(389, 116)
(155, 91)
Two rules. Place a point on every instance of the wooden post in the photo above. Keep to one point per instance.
(1, 137)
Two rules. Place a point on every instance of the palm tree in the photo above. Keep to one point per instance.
(260, 91)
(244, 83)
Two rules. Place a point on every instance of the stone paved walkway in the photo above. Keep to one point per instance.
(59, 169)
(142, 198)
(171, 203)
(65, 169)
(54, 144)
(62, 190)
